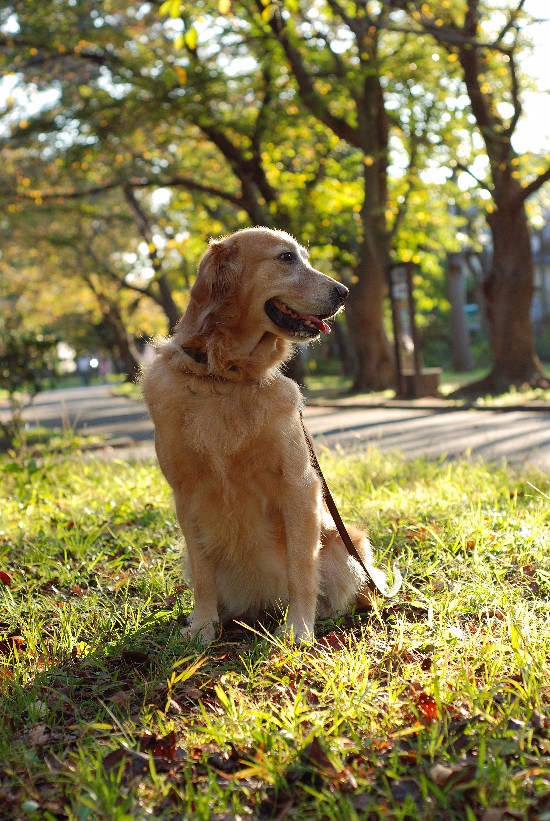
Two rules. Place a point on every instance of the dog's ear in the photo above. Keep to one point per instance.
(218, 273)
(217, 279)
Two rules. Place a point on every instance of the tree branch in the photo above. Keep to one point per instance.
(466, 170)
(510, 23)
(312, 99)
(144, 226)
(535, 184)
(174, 182)
(114, 277)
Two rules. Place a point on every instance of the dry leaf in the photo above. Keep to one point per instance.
(427, 706)
(38, 735)
(121, 698)
(440, 774)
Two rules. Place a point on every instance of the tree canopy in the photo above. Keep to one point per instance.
(134, 131)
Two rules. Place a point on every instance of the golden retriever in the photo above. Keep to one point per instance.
(229, 440)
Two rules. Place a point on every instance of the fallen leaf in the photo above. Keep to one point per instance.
(134, 762)
(122, 754)
(452, 775)
(226, 763)
(538, 721)
(135, 658)
(332, 641)
(315, 753)
(427, 706)
(5, 577)
(41, 708)
(407, 788)
(38, 735)
(498, 813)
(189, 693)
(318, 767)
(164, 747)
(120, 698)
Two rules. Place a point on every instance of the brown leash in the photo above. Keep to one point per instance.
(340, 526)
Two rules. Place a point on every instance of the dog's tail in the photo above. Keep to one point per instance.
(375, 579)
(380, 580)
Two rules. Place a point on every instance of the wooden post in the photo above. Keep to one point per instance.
(413, 380)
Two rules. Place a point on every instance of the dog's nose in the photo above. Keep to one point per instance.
(341, 291)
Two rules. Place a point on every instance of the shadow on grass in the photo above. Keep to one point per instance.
(114, 717)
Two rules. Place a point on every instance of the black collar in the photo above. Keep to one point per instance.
(199, 356)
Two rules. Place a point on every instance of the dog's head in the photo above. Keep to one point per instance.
(263, 279)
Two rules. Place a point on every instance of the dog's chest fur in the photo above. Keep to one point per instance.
(227, 453)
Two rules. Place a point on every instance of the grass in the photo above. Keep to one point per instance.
(323, 387)
(433, 705)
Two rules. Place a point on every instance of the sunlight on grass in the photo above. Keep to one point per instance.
(434, 704)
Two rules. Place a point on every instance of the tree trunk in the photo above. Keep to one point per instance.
(171, 310)
(365, 306)
(508, 292)
(461, 352)
(295, 368)
(509, 287)
(478, 265)
(375, 369)
(125, 346)
(343, 349)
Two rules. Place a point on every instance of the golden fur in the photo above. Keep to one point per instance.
(229, 440)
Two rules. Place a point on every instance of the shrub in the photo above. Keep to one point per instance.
(27, 361)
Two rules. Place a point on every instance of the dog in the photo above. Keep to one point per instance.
(230, 442)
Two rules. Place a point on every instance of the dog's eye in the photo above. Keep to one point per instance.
(287, 256)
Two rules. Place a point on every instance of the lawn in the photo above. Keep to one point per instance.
(433, 705)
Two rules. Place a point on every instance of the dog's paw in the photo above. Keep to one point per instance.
(302, 634)
(205, 632)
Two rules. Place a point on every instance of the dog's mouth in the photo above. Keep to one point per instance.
(303, 326)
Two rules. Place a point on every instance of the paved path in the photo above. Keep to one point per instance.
(414, 429)
(518, 436)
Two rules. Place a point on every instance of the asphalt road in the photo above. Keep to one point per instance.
(414, 429)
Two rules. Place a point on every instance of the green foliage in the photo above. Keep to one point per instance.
(27, 362)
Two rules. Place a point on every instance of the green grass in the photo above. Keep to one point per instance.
(433, 705)
(335, 387)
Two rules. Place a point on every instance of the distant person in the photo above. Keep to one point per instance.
(105, 367)
(83, 368)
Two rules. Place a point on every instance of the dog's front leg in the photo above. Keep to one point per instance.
(203, 620)
(302, 522)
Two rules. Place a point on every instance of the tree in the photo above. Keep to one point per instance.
(343, 60)
(488, 56)
(324, 120)
(241, 149)
(76, 253)
(142, 138)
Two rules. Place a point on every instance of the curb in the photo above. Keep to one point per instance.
(426, 404)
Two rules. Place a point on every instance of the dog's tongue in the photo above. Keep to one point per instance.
(319, 323)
